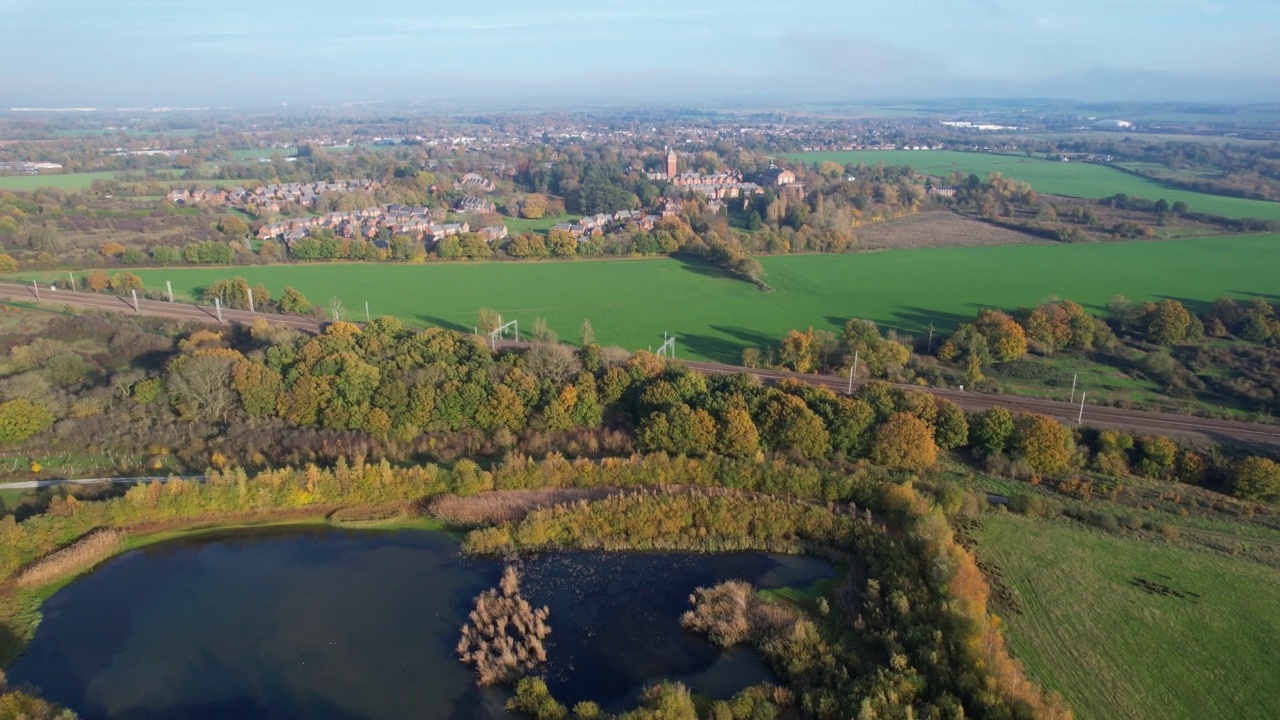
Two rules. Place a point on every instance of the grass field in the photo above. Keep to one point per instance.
(70, 181)
(1084, 180)
(633, 302)
(541, 226)
(1101, 622)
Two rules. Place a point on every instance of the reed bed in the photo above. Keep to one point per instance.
(72, 559)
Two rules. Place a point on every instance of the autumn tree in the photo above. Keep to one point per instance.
(903, 441)
(1166, 322)
(787, 424)
(20, 419)
(1044, 443)
(797, 350)
(7, 263)
(233, 226)
(1255, 478)
(679, 430)
(1158, 457)
(534, 206)
(737, 436)
(292, 301)
(1005, 337)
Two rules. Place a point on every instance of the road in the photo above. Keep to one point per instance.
(1140, 421)
(39, 484)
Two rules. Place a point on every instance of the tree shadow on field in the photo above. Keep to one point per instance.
(442, 323)
(1195, 307)
(1250, 293)
(915, 320)
(725, 349)
(701, 267)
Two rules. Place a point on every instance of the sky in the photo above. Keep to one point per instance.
(120, 53)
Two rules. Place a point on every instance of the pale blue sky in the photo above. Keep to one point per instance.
(128, 52)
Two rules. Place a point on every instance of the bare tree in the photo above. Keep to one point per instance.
(200, 386)
(335, 308)
(551, 361)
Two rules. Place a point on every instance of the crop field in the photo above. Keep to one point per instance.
(1128, 628)
(633, 302)
(1083, 180)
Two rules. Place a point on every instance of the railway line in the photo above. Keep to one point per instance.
(1095, 415)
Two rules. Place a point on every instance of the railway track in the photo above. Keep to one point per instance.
(1095, 415)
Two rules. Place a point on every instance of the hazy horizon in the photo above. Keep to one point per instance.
(166, 52)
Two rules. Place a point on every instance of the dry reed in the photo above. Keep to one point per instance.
(72, 559)
(501, 506)
(505, 636)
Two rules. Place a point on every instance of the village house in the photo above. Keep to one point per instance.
(475, 204)
(475, 180)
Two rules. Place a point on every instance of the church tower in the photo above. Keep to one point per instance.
(672, 163)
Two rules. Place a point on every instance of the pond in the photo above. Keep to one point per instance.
(337, 625)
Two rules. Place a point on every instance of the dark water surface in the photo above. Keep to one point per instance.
(338, 625)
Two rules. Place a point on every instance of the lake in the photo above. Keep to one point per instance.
(338, 625)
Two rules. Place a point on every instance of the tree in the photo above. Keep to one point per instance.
(679, 430)
(990, 431)
(7, 263)
(1255, 478)
(1166, 322)
(1005, 337)
(950, 427)
(737, 435)
(541, 332)
(233, 227)
(586, 333)
(1044, 443)
(903, 441)
(797, 350)
(488, 320)
(292, 301)
(534, 206)
(1158, 457)
(787, 425)
(97, 281)
(20, 419)
(562, 243)
(200, 385)
(551, 361)
(259, 387)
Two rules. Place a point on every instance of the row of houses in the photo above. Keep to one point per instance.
(270, 198)
(593, 225)
(375, 224)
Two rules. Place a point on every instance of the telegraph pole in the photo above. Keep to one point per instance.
(169, 286)
(250, 296)
(217, 304)
(36, 287)
(135, 300)
(1074, 378)
(366, 311)
(72, 279)
(1080, 417)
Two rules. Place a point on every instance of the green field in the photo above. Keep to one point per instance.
(255, 153)
(633, 302)
(541, 226)
(1116, 649)
(69, 181)
(1084, 180)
